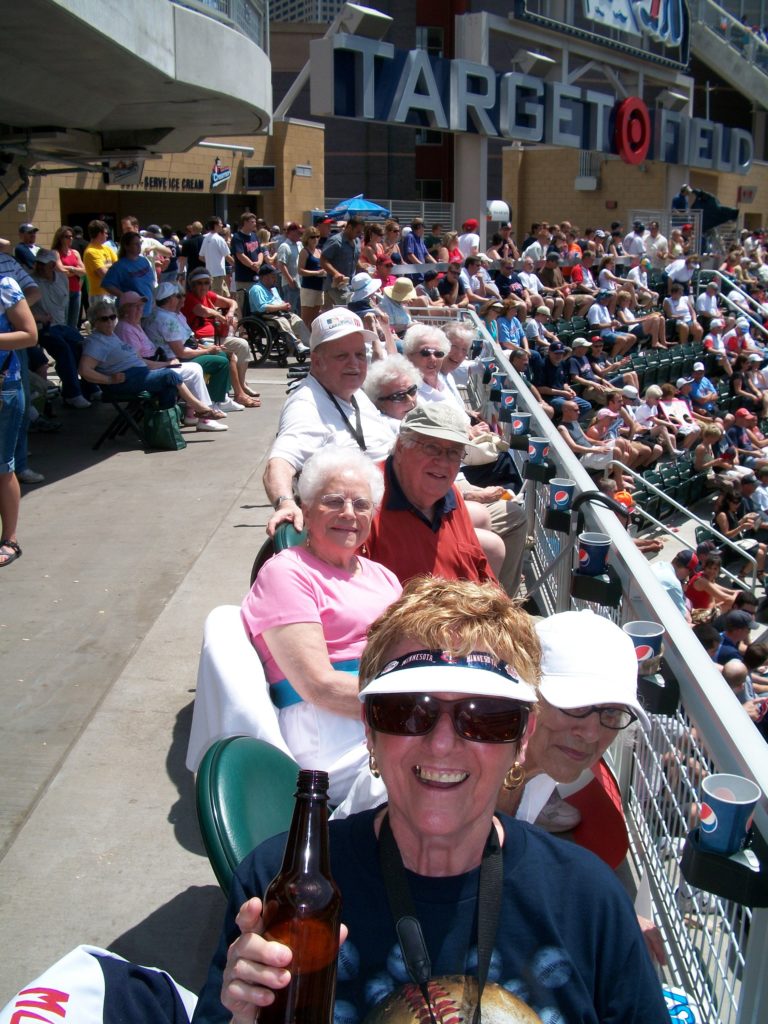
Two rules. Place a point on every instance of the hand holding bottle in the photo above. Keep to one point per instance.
(255, 967)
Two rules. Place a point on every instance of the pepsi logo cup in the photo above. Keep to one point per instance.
(646, 636)
(538, 449)
(498, 380)
(507, 406)
(561, 493)
(725, 812)
(593, 553)
(520, 423)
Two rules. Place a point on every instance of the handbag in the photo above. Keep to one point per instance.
(161, 429)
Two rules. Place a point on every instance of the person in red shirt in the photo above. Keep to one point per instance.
(213, 319)
(422, 526)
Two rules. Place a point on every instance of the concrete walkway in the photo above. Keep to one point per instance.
(125, 553)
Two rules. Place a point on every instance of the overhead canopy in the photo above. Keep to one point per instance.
(358, 205)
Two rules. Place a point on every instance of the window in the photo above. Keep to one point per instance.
(429, 190)
(430, 39)
(428, 137)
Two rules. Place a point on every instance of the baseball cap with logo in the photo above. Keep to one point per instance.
(337, 323)
(698, 367)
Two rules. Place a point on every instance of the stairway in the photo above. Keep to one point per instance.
(719, 40)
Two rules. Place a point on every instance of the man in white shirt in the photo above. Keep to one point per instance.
(707, 304)
(469, 240)
(537, 251)
(638, 275)
(656, 246)
(672, 575)
(214, 252)
(634, 242)
(329, 407)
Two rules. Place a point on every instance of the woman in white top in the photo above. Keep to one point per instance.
(679, 308)
(609, 282)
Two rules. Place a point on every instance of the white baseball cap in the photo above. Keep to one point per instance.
(336, 323)
(587, 659)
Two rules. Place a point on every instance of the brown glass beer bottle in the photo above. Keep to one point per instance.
(302, 909)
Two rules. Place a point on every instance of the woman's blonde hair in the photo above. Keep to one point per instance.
(457, 616)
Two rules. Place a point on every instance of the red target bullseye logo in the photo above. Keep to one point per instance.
(632, 130)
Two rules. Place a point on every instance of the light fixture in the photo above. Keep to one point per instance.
(525, 59)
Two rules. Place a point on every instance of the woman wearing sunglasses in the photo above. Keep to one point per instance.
(116, 366)
(309, 609)
(539, 927)
(392, 385)
(426, 347)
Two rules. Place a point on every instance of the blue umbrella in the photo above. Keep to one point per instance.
(358, 204)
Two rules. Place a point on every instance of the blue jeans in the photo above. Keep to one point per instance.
(292, 295)
(66, 346)
(162, 383)
(22, 439)
(73, 309)
(11, 418)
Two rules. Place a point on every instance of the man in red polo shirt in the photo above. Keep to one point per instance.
(422, 526)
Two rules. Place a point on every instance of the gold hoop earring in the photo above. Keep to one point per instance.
(515, 777)
(372, 766)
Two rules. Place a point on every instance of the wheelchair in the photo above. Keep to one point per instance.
(265, 338)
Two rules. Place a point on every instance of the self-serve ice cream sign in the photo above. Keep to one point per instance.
(369, 80)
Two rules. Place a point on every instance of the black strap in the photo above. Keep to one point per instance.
(410, 936)
(357, 430)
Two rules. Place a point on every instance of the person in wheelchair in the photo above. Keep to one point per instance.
(264, 299)
(309, 609)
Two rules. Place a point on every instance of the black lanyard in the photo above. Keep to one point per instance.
(412, 945)
(357, 430)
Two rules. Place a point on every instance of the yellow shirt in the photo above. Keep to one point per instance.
(95, 258)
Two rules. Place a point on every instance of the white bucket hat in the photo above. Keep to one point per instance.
(362, 285)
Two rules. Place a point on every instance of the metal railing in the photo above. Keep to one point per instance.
(250, 17)
(747, 306)
(716, 948)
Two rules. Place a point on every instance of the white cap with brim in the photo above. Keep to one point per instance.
(166, 290)
(586, 659)
(337, 323)
(488, 678)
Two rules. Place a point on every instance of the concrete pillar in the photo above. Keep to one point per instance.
(759, 133)
(470, 152)
(221, 206)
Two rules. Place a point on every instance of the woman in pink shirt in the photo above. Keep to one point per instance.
(309, 611)
(73, 268)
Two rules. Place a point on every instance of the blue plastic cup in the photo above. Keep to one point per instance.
(520, 423)
(538, 450)
(561, 493)
(725, 812)
(593, 553)
(507, 406)
(646, 636)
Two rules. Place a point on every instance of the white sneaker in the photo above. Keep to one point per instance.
(301, 348)
(211, 425)
(29, 476)
(228, 405)
(78, 402)
(190, 420)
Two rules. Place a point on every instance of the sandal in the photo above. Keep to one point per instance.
(252, 394)
(248, 402)
(6, 559)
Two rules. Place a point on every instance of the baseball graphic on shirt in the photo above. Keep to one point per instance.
(552, 967)
(453, 1000)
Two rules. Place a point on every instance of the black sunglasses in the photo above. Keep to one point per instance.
(479, 719)
(109, 316)
(610, 718)
(400, 396)
(425, 353)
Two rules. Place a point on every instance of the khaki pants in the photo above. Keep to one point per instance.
(220, 286)
(508, 520)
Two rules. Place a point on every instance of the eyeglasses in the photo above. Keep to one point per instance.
(337, 503)
(479, 719)
(110, 316)
(434, 451)
(425, 353)
(400, 396)
(610, 718)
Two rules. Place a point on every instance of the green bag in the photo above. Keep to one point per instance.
(161, 429)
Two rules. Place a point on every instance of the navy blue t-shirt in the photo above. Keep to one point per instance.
(568, 944)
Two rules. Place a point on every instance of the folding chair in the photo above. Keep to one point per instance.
(129, 412)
